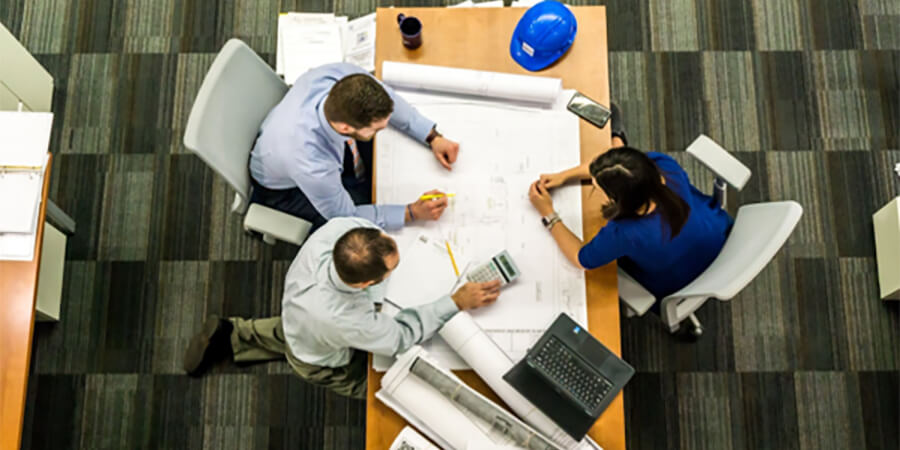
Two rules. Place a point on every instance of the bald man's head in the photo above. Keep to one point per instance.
(364, 255)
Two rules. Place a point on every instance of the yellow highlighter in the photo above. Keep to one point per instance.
(434, 196)
(452, 259)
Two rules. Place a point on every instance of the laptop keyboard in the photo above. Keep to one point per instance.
(561, 365)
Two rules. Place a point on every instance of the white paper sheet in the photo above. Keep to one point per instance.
(24, 138)
(308, 41)
(490, 4)
(20, 197)
(493, 85)
(503, 149)
(19, 246)
(359, 42)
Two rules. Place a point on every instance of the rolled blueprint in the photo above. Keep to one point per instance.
(521, 88)
(437, 414)
(488, 411)
(478, 350)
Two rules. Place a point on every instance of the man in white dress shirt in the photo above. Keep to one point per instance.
(329, 319)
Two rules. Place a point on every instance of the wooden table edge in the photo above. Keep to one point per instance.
(8, 435)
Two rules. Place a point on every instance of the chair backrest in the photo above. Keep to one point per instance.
(236, 95)
(759, 231)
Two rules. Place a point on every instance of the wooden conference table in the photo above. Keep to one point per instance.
(18, 290)
(478, 38)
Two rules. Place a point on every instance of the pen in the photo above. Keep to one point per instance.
(434, 196)
(452, 260)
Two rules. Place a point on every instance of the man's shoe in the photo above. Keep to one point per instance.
(211, 344)
(615, 118)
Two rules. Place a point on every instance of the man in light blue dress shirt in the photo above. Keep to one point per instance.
(329, 320)
(313, 155)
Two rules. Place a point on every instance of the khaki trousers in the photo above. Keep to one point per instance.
(255, 340)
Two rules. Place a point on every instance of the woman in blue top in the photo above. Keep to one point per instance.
(663, 231)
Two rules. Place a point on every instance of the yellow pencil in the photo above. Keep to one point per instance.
(2, 168)
(452, 260)
(434, 196)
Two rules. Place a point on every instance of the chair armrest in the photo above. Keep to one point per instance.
(634, 295)
(274, 224)
(717, 159)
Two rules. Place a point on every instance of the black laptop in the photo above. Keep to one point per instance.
(570, 376)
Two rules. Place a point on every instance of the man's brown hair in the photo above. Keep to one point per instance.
(359, 255)
(358, 100)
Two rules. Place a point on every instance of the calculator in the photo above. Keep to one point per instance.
(500, 267)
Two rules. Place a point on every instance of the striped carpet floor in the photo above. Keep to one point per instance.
(805, 92)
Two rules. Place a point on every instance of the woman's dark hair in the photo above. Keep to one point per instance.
(359, 255)
(631, 181)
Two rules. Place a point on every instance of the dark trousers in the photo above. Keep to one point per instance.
(294, 202)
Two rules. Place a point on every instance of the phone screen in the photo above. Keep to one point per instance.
(589, 110)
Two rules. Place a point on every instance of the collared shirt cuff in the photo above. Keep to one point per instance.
(446, 308)
(394, 216)
(421, 128)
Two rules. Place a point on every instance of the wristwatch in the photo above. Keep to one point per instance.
(549, 220)
(432, 135)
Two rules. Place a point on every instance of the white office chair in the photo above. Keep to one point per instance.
(759, 231)
(236, 95)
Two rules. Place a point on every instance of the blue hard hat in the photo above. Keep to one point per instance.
(544, 33)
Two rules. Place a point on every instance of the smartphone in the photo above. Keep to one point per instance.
(589, 110)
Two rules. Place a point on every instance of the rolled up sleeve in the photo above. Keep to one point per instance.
(325, 190)
(386, 335)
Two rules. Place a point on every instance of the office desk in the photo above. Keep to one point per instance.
(478, 38)
(18, 290)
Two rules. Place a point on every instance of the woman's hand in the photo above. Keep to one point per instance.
(552, 180)
(540, 199)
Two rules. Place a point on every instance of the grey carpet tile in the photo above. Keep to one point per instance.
(780, 25)
(77, 186)
(873, 325)
(11, 14)
(829, 414)
(709, 408)
(820, 327)
(677, 114)
(880, 32)
(764, 317)
(726, 25)
(789, 112)
(673, 25)
(835, 24)
(185, 233)
(769, 410)
(46, 26)
(128, 196)
(879, 392)
(55, 407)
(798, 176)
(804, 93)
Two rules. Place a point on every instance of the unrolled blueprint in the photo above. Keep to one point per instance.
(503, 149)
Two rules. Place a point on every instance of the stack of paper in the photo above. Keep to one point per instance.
(308, 40)
(23, 158)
